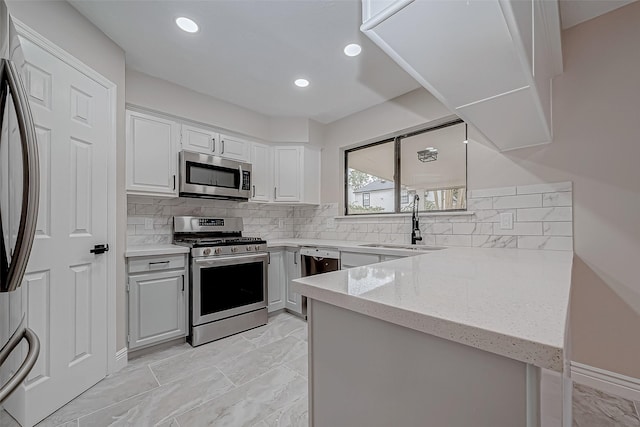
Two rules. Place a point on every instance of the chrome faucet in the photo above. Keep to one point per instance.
(415, 224)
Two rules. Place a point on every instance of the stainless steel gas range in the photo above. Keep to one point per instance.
(228, 277)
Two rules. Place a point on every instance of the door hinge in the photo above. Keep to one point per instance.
(128, 339)
(128, 287)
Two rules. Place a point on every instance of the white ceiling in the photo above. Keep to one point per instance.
(249, 52)
(574, 12)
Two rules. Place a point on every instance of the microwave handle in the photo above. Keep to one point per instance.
(241, 179)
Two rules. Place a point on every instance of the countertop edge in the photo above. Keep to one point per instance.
(151, 250)
(346, 246)
(526, 351)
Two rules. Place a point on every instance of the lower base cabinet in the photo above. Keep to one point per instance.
(277, 277)
(293, 302)
(284, 266)
(158, 291)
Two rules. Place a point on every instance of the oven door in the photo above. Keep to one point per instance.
(226, 286)
(202, 175)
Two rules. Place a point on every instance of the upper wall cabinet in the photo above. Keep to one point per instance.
(152, 155)
(199, 140)
(491, 62)
(207, 141)
(233, 148)
(261, 172)
(296, 174)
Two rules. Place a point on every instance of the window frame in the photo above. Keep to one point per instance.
(397, 140)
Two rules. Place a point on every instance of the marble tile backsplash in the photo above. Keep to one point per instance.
(542, 219)
(260, 220)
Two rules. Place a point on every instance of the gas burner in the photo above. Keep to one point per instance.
(214, 236)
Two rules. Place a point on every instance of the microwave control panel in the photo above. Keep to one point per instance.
(246, 180)
(211, 222)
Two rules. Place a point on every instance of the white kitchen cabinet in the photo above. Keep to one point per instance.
(496, 59)
(152, 155)
(199, 140)
(261, 172)
(277, 278)
(293, 302)
(231, 147)
(296, 174)
(158, 290)
(207, 141)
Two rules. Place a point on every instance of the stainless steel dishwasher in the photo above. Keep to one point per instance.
(319, 260)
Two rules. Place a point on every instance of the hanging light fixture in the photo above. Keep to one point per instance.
(466, 134)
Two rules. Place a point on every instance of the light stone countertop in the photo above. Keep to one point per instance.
(511, 302)
(150, 250)
(350, 246)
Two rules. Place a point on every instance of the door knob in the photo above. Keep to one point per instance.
(99, 249)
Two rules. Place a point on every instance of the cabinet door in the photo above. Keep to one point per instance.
(261, 163)
(152, 155)
(277, 278)
(293, 300)
(157, 308)
(233, 148)
(287, 174)
(199, 140)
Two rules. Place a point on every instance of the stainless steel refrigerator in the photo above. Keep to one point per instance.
(19, 192)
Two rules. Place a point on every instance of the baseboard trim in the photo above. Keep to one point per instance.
(607, 381)
(122, 358)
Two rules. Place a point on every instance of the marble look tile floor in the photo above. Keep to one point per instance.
(256, 379)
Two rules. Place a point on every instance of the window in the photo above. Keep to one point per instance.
(366, 200)
(370, 170)
(404, 197)
(386, 176)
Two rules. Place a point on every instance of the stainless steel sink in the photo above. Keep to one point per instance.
(404, 247)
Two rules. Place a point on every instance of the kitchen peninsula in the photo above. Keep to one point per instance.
(456, 337)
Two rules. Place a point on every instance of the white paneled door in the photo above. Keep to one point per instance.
(66, 285)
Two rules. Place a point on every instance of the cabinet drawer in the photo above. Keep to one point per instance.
(144, 264)
(356, 260)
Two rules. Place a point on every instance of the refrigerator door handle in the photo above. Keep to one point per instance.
(10, 79)
(29, 362)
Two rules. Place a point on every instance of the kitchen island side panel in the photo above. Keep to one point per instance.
(367, 372)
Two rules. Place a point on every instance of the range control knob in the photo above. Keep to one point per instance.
(207, 251)
(218, 251)
(249, 248)
(234, 249)
(257, 248)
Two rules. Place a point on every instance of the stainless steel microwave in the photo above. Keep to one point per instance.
(202, 175)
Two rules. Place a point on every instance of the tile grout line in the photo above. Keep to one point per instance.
(224, 375)
(154, 375)
(109, 405)
(228, 391)
(123, 400)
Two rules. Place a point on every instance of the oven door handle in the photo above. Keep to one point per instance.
(213, 260)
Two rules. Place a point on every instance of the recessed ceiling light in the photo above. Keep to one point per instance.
(187, 25)
(301, 82)
(352, 49)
